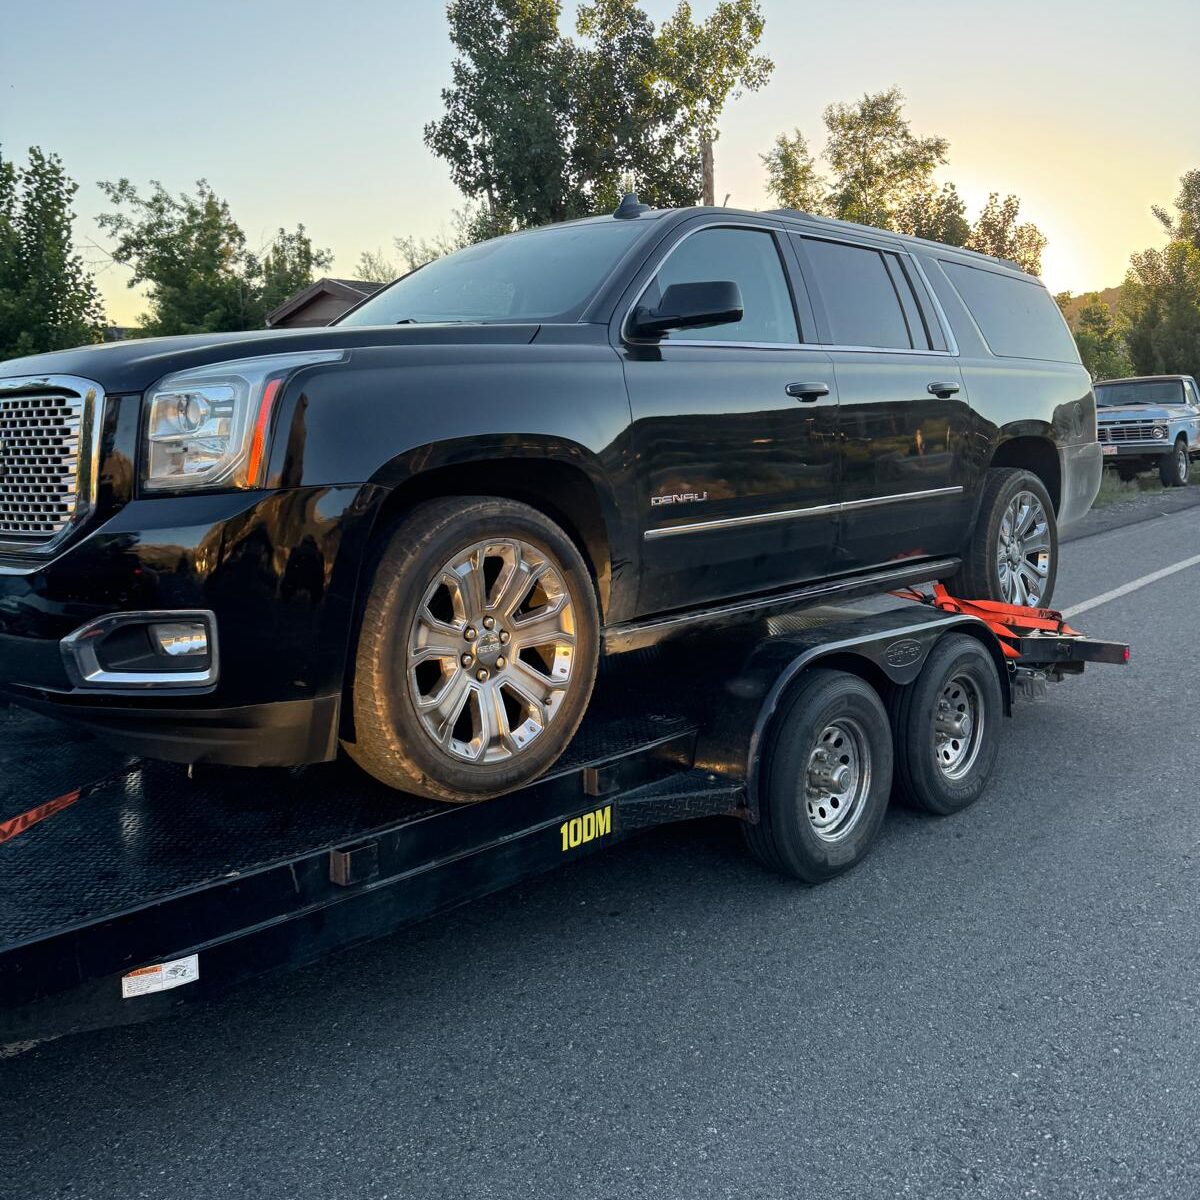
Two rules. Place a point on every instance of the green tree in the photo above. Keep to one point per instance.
(48, 299)
(793, 180)
(1160, 310)
(878, 165)
(1000, 232)
(940, 216)
(193, 255)
(1101, 344)
(1186, 226)
(543, 127)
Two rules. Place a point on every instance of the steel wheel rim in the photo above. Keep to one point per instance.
(490, 652)
(837, 779)
(1181, 464)
(958, 726)
(1023, 553)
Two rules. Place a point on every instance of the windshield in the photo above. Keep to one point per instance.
(540, 275)
(1149, 391)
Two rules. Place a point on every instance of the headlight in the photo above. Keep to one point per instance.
(1160, 431)
(208, 426)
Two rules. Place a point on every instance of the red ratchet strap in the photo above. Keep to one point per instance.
(1009, 622)
(18, 824)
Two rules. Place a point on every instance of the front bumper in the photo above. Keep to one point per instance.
(278, 571)
(1148, 450)
(1080, 468)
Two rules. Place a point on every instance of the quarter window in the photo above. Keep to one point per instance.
(748, 257)
(867, 296)
(1016, 316)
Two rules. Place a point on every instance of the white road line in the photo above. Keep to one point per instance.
(1132, 586)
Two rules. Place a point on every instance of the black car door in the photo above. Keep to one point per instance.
(903, 419)
(733, 427)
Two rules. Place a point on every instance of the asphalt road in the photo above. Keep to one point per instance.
(998, 1004)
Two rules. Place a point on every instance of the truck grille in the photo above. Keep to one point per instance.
(41, 435)
(1127, 431)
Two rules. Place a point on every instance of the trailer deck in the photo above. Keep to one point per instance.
(128, 886)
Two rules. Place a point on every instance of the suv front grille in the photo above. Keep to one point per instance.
(1127, 431)
(41, 438)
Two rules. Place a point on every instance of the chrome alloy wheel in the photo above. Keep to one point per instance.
(491, 651)
(958, 727)
(838, 779)
(1023, 553)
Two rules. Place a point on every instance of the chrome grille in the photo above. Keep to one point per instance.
(1127, 431)
(41, 434)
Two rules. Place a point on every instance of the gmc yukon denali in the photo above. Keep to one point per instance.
(413, 533)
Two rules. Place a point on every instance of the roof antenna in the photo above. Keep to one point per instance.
(630, 208)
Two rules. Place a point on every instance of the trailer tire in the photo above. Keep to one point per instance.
(937, 771)
(831, 741)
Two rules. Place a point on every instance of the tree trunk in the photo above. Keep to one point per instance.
(709, 196)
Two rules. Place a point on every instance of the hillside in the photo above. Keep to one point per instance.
(1110, 296)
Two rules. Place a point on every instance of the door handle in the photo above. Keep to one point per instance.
(943, 390)
(807, 392)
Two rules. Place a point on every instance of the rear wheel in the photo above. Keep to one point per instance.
(1173, 467)
(1013, 552)
(946, 727)
(477, 653)
(825, 779)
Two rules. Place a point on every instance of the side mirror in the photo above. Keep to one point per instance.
(690, 306)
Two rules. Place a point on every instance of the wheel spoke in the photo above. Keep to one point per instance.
(445, 706)
(519, 586)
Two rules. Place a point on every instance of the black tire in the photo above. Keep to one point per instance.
(1173, 468)
(391, 741)
(935, 771)
(979, 577)
(785, 838)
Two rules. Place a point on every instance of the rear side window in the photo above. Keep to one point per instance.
(750, 258)
(867, 296)
(1017, 317)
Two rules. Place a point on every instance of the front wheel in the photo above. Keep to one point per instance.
(1012, 556)
(1173, 467)
(477, 653)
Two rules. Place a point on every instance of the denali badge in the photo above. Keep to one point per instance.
(677, 498)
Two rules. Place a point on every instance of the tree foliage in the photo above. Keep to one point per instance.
(881, 173)
(1186, 225)
(48, 299)
(1098, 336)
(793, 178)
(878, 165)
(1160, 308)
(193, 255)
(543, 127)
(468, 225)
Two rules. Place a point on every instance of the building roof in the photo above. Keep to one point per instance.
(350, 290)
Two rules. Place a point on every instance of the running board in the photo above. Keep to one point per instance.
(634, 635)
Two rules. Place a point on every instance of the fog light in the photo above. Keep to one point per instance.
(180, 639)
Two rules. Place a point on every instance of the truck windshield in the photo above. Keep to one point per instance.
(1149, 391)
(540, 275)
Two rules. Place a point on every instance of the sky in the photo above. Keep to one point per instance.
(297, 111)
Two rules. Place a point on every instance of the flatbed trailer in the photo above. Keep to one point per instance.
(128, 887)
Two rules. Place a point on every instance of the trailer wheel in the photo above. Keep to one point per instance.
(825, 779)
(947, 727)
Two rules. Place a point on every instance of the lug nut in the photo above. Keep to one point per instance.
(488, 622)
(470, 634)
(504, 636)
(467, 660)
(500, 663)
(481, 675)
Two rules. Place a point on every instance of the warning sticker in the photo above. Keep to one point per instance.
(160, 978)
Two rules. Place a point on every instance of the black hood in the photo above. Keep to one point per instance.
(133, 366)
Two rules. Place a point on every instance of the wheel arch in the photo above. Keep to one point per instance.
(1034, 452)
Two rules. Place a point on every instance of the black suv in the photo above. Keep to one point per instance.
(414, 532)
